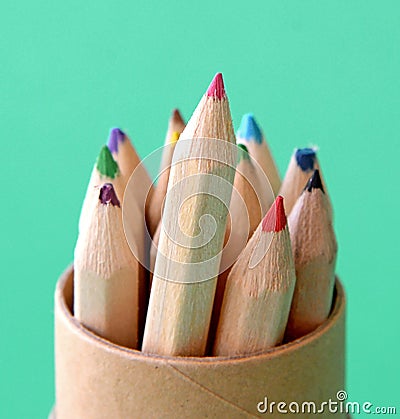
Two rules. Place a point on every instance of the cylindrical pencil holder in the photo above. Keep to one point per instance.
(97, 379)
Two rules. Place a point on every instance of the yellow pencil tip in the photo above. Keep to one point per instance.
(174, 137)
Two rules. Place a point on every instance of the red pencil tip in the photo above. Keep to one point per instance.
(216, 88)
(275, 219)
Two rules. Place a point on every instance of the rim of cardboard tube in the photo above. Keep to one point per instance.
(66, 279)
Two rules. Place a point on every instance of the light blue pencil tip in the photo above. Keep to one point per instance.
(249, 129)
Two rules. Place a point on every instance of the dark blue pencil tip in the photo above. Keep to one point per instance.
(305, 158)
(116, 137)
(249, 130)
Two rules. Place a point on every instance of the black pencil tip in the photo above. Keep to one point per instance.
(314, 182)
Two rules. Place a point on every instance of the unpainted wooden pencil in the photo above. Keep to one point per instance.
(314, 251)
(192, 232)
(259, 290)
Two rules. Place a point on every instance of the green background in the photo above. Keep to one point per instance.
(313, 72)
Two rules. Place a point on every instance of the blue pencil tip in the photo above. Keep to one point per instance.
(116, 136)
(249, 130)
(305, 158)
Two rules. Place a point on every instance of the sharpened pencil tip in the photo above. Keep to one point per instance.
(216, 88)
(108, 195)
(249, 129)
(106, 165)
(275, 219)
(305, 158)
(314, 182)
(176, 117)
(115, 138)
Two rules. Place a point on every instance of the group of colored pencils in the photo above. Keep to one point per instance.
(230, 270)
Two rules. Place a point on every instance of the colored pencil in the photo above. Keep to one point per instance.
(186, 268)
(156, 197)
(106, 281)
(153, 252)
(251, 198)
(176, 124)
(259, 290)
(250, 134)
(129, 162)
(314, 249)
(250, 201)
(301, 166)
(105, 170)
(219, 255)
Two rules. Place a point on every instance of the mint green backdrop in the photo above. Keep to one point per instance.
(313, 72)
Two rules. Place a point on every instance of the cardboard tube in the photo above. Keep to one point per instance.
(98, 379)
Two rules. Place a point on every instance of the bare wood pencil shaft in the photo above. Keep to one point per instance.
(314, 249)
(179, 325)
(131, 165)
(250, 201)
(192, 232)
(156, 197)
(153, 251)
(263, 156)
(106, 281)
(257, 297)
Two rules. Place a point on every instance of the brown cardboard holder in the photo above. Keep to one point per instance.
(98, 379)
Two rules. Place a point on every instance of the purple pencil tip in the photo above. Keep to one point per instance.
(116, 137)
(108, 195)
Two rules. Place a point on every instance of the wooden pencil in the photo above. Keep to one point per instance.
(249, 203)
(106, 281)
(129, 163)
(153, 252)
(301, 166)
(250, 134)
(192, 232)
(314, 249)
(155, 199)
(176, 124)
(105, 170)
(137, 185)
(259, 290)
(251, 198)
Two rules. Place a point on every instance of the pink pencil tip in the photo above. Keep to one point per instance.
(216, 88)
(275, 219)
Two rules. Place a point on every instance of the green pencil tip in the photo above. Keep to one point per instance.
(105, 164)
(243, 153)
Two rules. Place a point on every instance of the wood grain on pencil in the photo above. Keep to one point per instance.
(250, 134)
(251, 198)
(106, 280)
(314, 249)
(258, 291)
(153, 252)
(186, 268)
(156, 197)
(129, 162)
